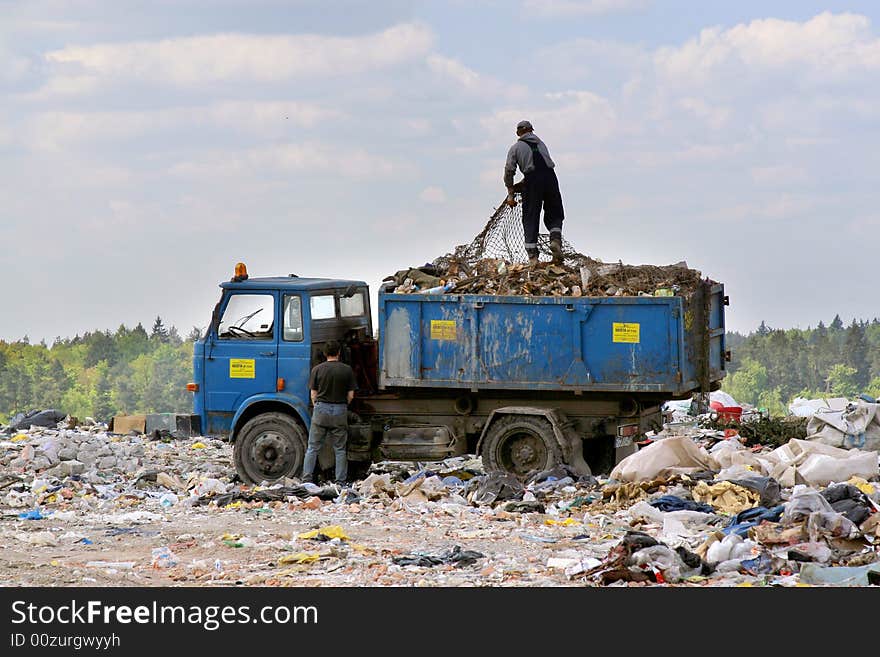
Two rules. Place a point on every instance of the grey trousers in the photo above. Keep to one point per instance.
(317, 437)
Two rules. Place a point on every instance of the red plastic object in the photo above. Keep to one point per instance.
(730, 433)
(729, 413)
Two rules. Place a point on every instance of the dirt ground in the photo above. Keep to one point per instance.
(205, 541)
(171, 512)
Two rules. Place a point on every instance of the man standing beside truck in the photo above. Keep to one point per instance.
(332, 385)
(540, 187)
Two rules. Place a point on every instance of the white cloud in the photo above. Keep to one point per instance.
(433, 195)
(307, 158)
(826, 46)
(714, 116)
(784, 174)
(56, 130)
(590, 58)
(580, 7)
(783, 206)
(576, 117)
(70, 85)
(221, 57)
(452, 70)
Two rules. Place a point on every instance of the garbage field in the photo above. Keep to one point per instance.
(693, 507)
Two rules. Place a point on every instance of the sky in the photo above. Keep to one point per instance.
(148, 146)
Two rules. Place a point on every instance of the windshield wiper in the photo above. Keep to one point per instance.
(244, 320)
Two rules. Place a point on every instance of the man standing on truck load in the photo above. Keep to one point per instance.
(332, 385)
(540, 187)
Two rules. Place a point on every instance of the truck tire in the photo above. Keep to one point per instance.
(269, 446)
(520, 444)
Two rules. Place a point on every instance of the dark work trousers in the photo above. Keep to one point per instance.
(541, 189)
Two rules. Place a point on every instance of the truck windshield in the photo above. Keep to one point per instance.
(248, 317)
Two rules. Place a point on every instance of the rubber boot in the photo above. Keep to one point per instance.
(556, 250)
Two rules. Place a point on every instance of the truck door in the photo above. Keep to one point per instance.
(294, 353)
(242, 358)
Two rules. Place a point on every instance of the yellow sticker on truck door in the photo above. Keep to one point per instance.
(624, 332)
(443, 329)
(242, 368)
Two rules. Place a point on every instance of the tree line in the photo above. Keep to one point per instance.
(99, 374)
(105, 373)
(770, 367)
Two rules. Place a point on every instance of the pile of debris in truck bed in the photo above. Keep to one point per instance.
(495, 262)
(592, 278)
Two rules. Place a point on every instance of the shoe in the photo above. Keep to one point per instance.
(307, 479)
(556, 250)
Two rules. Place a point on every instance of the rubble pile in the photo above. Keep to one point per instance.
(587, 277)
(495, 262)
(694, 507)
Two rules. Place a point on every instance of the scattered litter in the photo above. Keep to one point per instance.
(456, 556)
(325, 534)
(696, 505)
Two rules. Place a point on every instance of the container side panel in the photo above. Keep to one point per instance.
(628, 343)
(445, 338)
(397, 341)
(525, 343)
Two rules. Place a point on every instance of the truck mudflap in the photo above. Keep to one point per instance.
(569, 442)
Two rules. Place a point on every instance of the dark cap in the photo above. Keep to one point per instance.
(524, 125)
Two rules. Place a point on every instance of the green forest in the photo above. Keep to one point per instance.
(770, 367)
(99, 374)
(105, 373)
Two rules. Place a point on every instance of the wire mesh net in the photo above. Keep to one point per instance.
(503, 238)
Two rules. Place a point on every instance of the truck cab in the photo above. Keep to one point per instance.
(255, 358)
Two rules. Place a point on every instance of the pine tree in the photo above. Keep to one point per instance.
(159, 331)
(855, 353)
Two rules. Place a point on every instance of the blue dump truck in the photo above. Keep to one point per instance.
(527, 383)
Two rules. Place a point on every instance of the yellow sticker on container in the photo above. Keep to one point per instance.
(622, 332)
(443, 329)
(242, 368)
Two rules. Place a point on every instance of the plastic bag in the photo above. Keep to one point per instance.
(839, 576)
(802, 461)
(803, 502)
(856, 426)
(676, 455)
(732, 548)
(659, 558)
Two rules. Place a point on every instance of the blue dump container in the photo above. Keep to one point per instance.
(667, 345)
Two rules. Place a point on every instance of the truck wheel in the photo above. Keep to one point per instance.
(520, 444)
(269, 446)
